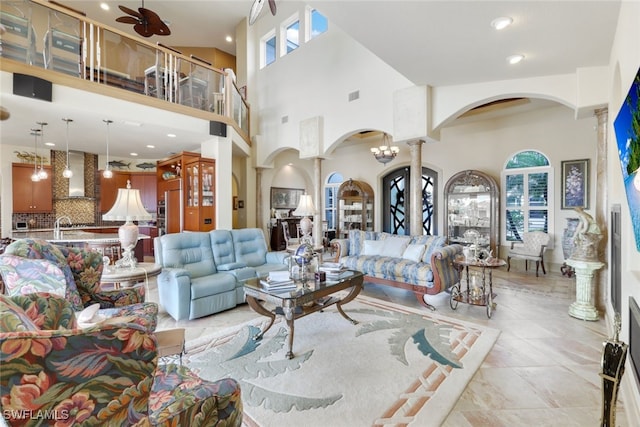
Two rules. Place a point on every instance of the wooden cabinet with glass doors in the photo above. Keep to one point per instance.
(355, 208)
(199, 210)
(472, 210)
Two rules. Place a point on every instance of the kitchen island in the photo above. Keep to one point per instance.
(71, 235)
(75, 237)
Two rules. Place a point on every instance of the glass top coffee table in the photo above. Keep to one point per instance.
(303, 300)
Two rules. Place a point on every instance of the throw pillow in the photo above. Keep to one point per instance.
(395, 246)
(41, 249)
(373, 247)
(413, 252)
(356, 240)
(26, 276)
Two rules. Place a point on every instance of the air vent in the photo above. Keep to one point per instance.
(285, 119)
(354, 95)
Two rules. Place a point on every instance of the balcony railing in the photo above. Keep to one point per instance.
(62, 40)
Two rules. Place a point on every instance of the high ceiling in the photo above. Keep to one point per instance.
(438, 43)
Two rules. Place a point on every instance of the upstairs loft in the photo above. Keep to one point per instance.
(60, 45)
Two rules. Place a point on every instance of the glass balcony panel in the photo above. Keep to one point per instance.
(42, 36)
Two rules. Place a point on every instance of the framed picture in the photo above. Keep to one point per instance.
(285, 198)
(575, 184)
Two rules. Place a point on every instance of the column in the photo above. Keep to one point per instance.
(415, 183)
(317, 196)
(259, 202)
(601, 203)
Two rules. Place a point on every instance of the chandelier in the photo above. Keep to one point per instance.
(386, 152)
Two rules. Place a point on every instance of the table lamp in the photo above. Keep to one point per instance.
(128, 207)
(305, 209)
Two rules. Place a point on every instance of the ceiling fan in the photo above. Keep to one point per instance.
(256, 8)
(145, 21)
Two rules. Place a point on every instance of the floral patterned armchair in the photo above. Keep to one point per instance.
(32, 265)
(53, 372)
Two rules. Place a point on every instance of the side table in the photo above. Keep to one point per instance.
(129, 276)
(485, 296)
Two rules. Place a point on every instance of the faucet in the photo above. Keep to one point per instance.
(56, 226)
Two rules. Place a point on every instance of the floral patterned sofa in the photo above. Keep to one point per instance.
(421, 264)
(32, 265)
(54, 373)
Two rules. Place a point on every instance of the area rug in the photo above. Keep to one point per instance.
(397, 366)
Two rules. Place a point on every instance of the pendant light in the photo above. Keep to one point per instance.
(107, 173)
(67, 172)
(35, 177)
(42, 173)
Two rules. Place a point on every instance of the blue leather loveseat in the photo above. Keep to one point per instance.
(203, 272)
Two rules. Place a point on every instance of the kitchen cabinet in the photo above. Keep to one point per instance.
(355, 207)
(147, 244)
(29, 196)
(472, 218)
(146, 182)
(109, 188)
(199, 212)
(186, 187)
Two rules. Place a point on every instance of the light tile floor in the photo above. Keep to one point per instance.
(542, 371)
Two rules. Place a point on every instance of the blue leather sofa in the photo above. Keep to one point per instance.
(203, 272)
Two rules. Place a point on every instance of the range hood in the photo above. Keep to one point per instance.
(76, 182)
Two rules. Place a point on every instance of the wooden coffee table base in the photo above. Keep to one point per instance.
(296, 307)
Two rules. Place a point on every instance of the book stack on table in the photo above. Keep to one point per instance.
(334, 270)
(278, 281)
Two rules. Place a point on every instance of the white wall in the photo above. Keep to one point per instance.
(624, 64)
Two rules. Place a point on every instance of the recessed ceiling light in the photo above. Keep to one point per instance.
(104, 6)
(514, 59)
(50, 144)
(501, 23)
(133, 154)
(171, 135)
(229, 39)
(151, 146)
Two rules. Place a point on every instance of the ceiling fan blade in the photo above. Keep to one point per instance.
(143, 29)
(272, 6)
(130, 11)
(128, 20)
(256, 8)
(154, 23)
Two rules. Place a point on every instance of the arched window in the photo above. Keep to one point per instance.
(396, 219)
(331, 199)
(527, 195)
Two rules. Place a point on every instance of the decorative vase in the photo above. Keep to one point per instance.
(568, 245)
(567, 237)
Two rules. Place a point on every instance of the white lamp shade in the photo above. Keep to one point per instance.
(305, 207)
(128, 207)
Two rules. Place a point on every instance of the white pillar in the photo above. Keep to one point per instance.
(415, 182)
(583, 307)
(317, 195)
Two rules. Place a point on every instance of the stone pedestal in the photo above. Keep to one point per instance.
(583, 308)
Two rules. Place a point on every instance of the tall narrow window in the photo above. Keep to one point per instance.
(268, 49)
(290, 36)
(527, 196)
(331, 199)
(318, 24)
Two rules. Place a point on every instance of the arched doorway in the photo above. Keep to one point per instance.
(396, 201)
